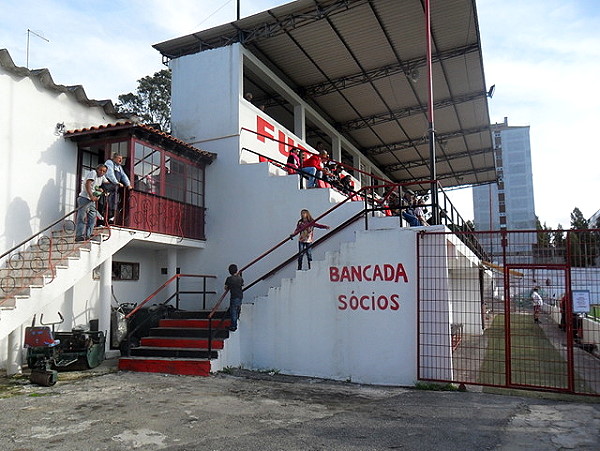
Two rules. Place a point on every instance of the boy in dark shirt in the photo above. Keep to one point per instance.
(234, 284)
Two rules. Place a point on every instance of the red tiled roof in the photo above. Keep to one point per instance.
(127, 125)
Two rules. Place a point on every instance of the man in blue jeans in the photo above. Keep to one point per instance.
(86, 202)
(234, 283)
(408, 212)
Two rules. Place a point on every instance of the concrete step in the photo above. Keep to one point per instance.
(170, 342)
(195, 323)
(182, 332)
(166, 365)
(201, 314)
(180, 353)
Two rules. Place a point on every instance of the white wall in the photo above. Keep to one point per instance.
(38, 168)
(248, 208)
(312, 324)
(205, 94)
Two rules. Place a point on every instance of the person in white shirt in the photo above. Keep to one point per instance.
(537, 301)
(86, 202)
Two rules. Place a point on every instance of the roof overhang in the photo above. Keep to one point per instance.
(142, 131)
(362, 63)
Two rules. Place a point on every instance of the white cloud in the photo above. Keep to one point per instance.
(543, 57)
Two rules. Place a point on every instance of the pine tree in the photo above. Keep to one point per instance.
(151, 100)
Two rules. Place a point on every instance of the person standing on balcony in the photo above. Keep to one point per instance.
(91, 192)
(234, 284)
(537, 304)
(305, 228)
(116, 179)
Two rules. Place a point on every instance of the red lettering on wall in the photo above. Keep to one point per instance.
(261, 128)
(370, 273)
(334, 274)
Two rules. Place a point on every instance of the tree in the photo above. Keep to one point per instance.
(583, 244)
(151, 100)
(543, 234)
(558, 237)
(578, 222)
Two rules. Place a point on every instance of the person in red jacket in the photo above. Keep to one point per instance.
(313, 167)
(305, 227)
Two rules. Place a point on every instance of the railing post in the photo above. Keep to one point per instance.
(203, 293)
(209, 337)
(366, 212)
(177, 292)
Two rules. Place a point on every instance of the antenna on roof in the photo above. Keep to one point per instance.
(238, 9)
(30, 32)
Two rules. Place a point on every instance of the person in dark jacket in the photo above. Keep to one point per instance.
(234, 284)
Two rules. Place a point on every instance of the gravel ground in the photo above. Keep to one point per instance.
(108, 410)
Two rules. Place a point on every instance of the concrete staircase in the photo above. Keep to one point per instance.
(349, 330)
(34, 277)
(179, 345)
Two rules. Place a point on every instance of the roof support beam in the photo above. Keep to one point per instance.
(406, 68)
(460, 175)
(408, 144)
(266, 29)
(376, 119)
(440, 159)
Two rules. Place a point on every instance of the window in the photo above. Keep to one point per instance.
(146, 169)
(159, 172)
(174, 179)
(125, 271)
(120, 148)
(195, 186)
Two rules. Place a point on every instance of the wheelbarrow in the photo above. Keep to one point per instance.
(49, 351)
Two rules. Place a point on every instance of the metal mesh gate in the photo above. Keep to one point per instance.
(524, 313)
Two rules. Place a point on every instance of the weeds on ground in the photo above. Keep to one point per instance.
(432, 386)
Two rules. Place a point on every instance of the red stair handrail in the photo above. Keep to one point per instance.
(291, 236)
(163, 286)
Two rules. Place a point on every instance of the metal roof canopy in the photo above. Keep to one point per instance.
(362, 63)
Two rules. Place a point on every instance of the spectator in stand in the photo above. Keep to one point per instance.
(234, 284)
(293, 162)
(420, 212)
(91, 191)
(305, 228)
(330, 169)
(116, 179)
(537, 301)
(408, 209)
(313, 167)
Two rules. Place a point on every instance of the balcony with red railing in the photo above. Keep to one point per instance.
(166, 175)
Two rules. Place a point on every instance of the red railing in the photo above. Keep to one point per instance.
(177, 292)
(150, 213)
(33, 261)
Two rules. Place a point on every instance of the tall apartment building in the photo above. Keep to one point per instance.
(509, 203)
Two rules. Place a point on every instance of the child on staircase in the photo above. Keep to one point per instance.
(305, 227)
(234, 283)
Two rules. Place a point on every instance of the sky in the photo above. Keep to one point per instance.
(542, 55)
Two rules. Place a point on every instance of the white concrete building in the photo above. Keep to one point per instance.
(355, 314)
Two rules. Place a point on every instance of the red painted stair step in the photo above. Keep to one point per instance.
(187, 367)
(165, 342)
(197, 323)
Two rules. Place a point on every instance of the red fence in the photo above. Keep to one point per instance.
(157, 214)
(522, 320)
